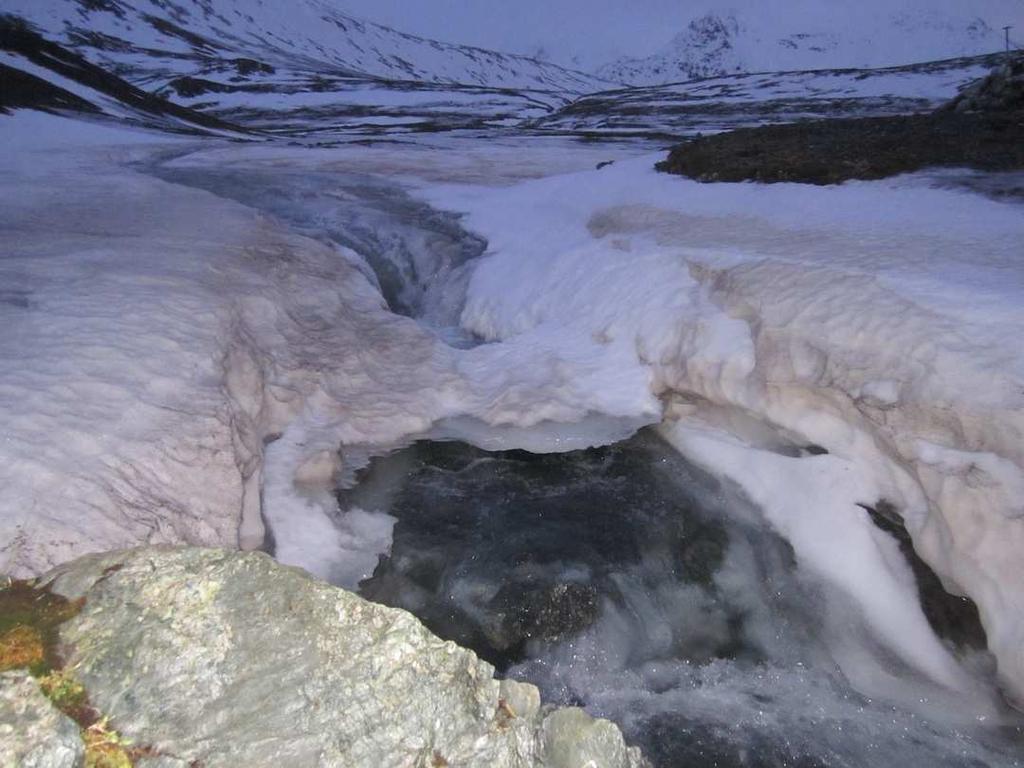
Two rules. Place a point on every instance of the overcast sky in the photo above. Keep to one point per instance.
(588, 33)
(595, 30)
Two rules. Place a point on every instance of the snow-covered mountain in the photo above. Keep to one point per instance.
(726, 102)
(294, 69)
(40, 74)
(755, 40)
(153, 42)
(306, 70)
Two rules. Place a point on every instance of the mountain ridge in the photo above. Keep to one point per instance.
(151, 42)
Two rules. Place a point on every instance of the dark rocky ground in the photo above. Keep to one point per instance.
(982, 129)
(832, 151)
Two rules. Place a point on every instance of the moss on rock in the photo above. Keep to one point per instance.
(30, 619)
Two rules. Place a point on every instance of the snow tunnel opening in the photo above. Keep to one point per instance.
(511, 552)
(954, 618)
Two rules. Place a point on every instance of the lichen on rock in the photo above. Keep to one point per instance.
(229, 658)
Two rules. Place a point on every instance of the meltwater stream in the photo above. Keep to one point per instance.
(619, 578)
(418, 255)
(628, 581)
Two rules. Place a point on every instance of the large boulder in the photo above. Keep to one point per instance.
(226, 658)
(34, 733)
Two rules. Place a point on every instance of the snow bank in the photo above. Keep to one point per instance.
(878, 320)
(155, 337)
(158, 338)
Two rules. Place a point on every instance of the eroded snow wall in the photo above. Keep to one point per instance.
(878, 321)
(154, 339)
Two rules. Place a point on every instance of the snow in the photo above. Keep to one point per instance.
(498, 161)
(27, 131)
(801, 308)
(379, 98)
(166, 335)
(836, 541)
(731, 101)
(811, 35)
(160, 335)
(188, 368)
(586, 35)
(341, 548)
(112, 382)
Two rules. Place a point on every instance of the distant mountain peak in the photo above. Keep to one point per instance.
(716, 44)
(155, 41)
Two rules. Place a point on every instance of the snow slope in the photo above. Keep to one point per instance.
(296, 70)
(40, 74)
(740, 100)
(806, 35)
(152, 43)
(330, 108)
(163, 335)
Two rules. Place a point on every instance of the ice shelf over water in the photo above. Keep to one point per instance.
(876, 320)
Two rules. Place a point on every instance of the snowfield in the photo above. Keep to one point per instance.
(181, 367)
(146, 325)
(162, 334)
(726, 102)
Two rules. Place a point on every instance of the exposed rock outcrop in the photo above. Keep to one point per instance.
(1001, 91)
(983, 128)
(833, 151)
(224, 658)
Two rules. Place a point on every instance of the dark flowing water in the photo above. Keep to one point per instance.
(628, 581)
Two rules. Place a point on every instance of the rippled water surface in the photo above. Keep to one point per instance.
(626, 580)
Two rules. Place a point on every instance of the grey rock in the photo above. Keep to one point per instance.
(229, 659)
(34, 733)
(574, 739)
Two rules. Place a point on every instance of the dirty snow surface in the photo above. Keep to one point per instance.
(203, 341)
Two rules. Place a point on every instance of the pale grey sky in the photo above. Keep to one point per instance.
(588, 33)
(594, 30)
